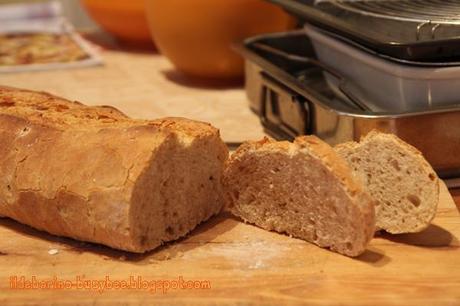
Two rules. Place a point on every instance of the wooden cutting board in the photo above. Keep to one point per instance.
(242, 263)
(238, 263)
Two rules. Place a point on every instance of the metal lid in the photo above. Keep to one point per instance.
(415, 30)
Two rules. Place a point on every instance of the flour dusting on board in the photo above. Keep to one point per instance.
(256, 254)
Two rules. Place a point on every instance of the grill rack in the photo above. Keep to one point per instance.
(434, 11)
(427, 13)
(409, 30)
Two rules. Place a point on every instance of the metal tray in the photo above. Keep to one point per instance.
(408, 30)
(292, 98)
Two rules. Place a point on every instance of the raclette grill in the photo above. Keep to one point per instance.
(295, 91)
(292, 97)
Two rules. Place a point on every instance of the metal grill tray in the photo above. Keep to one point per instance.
(411, 30)
(292, 97)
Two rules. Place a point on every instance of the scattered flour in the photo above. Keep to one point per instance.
(259, 264)
(251, 255)
(53, 251)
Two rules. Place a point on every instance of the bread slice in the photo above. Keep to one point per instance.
(303, 189)
(92, 173)
(398, 177)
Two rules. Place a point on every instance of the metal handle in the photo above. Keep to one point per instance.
(275, 103)
(342, 84)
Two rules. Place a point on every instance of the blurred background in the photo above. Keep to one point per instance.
(72, 9)
(196, 36)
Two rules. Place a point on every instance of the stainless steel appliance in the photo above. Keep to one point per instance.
(287, 88)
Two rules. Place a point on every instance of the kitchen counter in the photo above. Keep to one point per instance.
(145, 85)
(241, 263)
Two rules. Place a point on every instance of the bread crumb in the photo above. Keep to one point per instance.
(257, 265)
(123, 258)
(53, 251)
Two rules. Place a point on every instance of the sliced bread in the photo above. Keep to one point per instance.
(304, 189)
(405, 186)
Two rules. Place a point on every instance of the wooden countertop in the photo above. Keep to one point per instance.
(243, 264)
(145, 85)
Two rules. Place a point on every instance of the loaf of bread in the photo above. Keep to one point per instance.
(304, 189)
(405, 186)
(93, 174)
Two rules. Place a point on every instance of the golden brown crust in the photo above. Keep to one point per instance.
(363, 204)
(317, 147)
(332, 160)
(400, 224)
(340, 168)
(71, 169)
(374, 134)
(46, 109)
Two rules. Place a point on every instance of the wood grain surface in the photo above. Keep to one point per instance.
(242, 263)
(145, 85)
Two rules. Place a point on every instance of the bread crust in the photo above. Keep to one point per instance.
(375, 135)
(72, 170)
(363, 204)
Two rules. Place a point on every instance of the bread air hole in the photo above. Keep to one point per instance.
(7, 104)
(432, 176)
(60, 107)
(170, 230)
(355, 159)
(41, 107)
(236, 195)
(24, 131)
(415, 200)
(395, 164)
(315, 236)
(102, 117)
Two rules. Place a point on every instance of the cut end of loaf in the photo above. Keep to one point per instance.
(182, 186)
(286, 187)
(405, 186)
